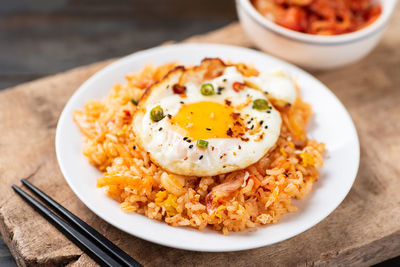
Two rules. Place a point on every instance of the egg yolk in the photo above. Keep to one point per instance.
(203, 120)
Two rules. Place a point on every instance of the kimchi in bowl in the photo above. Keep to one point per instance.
(310, 50)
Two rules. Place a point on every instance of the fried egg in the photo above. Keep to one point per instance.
(208, 120)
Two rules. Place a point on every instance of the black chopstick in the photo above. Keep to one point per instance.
(109, 247)
(80, 240)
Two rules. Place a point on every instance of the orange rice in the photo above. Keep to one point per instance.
(131, 178)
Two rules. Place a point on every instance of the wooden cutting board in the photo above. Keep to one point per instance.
(363, 230)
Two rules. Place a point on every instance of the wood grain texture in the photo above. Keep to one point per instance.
(5, 259)
(363, 230)
(44, 37)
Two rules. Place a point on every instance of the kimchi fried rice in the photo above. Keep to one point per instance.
(257, 195)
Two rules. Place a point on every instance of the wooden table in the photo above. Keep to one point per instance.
(75, 33)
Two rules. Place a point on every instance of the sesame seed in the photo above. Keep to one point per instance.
(266, 127)
(191, 146)
(208, 129)
(268, 111)
(188, 140)
(134, 147)
(201, 157)
(266, 92)
(224, 80)
(160, 129)
(261, 123)
(251, 119)
(252, 127)
(182, 102)
(184, 138)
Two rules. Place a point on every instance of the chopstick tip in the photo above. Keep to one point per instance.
(14, 187)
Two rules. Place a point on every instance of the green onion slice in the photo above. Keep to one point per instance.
(202, 143)
(157, 113)
(134, 101)
(260, 104)
(207, 89)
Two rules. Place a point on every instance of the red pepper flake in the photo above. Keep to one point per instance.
(240, 147)
(127, 118)
(229, 132)
(288, 105)
(235, 116)
(237, 86)
(245, 139)
(227, 102)
(237, 123)
(169, 116)
(178, 89)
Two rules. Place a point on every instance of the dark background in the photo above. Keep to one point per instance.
(43, 37)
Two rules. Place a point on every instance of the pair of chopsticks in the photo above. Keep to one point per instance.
(102, 250)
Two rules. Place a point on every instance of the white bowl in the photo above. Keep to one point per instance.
(312, 51)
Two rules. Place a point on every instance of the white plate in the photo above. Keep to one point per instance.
(331, 124)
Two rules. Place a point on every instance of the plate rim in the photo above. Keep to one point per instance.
(86, 85)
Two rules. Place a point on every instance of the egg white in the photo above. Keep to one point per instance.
(279, 86)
